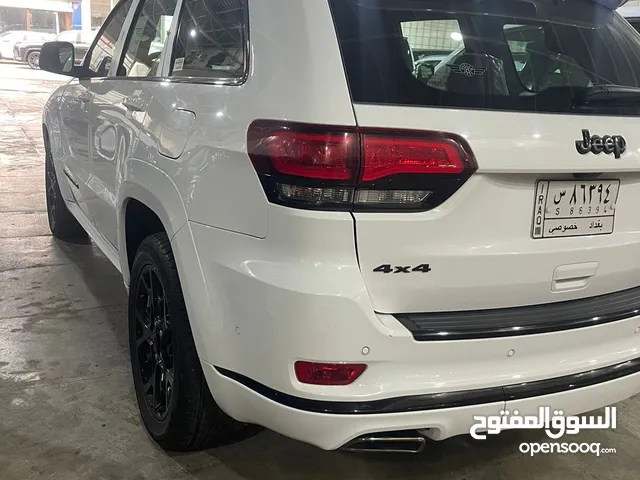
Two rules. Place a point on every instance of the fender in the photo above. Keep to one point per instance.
(141, 181)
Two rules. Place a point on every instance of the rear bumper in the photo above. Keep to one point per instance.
(330, 425)
(260, 308)
(436, 401)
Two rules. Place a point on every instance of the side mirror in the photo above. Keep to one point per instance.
(58, 57)
(424, 71)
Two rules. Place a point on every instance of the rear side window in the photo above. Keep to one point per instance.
(503, 55)
(211, 40)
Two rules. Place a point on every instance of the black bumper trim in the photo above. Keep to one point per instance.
(527, 320)
(435, 401)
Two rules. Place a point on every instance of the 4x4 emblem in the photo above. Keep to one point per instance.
(608, 144)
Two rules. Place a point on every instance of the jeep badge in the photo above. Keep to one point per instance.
(608, 144)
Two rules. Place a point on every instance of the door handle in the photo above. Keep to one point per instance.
(85, 97)
(133, 103)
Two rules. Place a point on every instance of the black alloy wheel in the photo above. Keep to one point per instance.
(176, 405)
(154, 343)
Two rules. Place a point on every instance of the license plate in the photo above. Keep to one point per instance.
(573, 208)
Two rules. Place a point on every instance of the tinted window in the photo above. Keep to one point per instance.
(635, 23)
(538, 67)
(146, 38)
(211, 39)
(100, 56)
(506, 55)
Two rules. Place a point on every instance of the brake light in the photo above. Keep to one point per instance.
(386, 156)
(312, 155)
(328, 373)
(345, 168)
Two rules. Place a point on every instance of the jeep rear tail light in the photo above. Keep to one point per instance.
(385, 156)
(328, 373)
(357, 169)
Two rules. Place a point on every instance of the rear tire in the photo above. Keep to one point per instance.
(174, 399)
(62, 223)
(33, 60)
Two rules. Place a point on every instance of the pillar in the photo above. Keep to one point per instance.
(86, 15)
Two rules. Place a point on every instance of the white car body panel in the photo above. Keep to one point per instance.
(467, 271)
(267, 285)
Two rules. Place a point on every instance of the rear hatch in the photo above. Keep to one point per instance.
(544, 206)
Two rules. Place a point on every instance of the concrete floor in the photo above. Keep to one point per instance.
(67, 408)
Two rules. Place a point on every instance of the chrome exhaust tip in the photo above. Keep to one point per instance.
(387, 442)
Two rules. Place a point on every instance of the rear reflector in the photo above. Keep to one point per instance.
(359, 169)
(328, 373)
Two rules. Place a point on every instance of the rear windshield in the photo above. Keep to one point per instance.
(536, 56)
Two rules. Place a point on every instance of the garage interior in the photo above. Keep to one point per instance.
(67, 404)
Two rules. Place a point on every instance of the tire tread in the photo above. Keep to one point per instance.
(65, 227)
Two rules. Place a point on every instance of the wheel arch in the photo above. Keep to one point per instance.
(138, 191)
(142, 212)
(29, 52)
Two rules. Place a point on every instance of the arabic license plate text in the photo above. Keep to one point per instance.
(574, 208)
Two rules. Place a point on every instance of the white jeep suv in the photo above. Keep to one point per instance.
(319, 240)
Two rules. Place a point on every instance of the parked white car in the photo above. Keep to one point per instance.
(316, 241)
(9, 39)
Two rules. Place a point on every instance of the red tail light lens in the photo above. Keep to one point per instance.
(312, 155)
(347, 168)
(386, 156)
(328, 373)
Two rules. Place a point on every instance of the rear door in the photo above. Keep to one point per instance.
(538, 200)
(120, 107)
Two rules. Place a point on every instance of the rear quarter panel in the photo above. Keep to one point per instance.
(296, 80)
